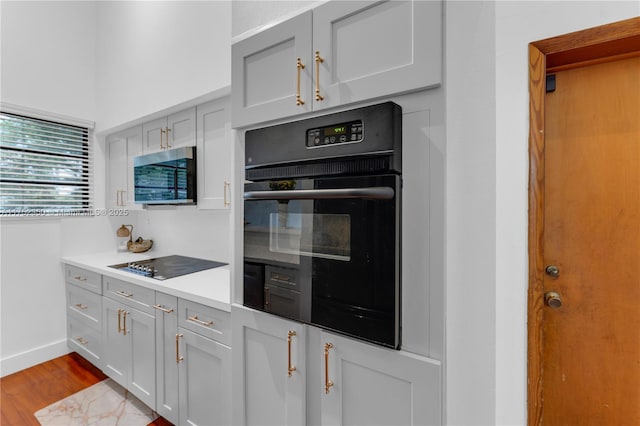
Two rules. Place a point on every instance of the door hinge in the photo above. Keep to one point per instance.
(551, 83)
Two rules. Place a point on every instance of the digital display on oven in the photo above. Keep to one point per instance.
(350, 132)
(335, 130)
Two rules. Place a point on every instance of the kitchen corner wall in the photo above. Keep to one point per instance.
(112, 63)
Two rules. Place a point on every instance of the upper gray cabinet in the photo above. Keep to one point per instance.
(267, 79)
(338, 53)
(176, 130)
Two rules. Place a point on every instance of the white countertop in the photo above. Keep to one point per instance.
(210, 287)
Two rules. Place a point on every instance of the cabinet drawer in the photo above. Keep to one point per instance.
(205, 320)
(130, 294)
(85, 340)
(84, 305)
(85, 279)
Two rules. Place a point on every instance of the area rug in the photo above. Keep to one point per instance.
(105, 403)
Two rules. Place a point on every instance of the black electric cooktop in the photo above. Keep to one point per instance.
(162, 268)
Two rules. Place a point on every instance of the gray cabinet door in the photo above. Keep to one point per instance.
(140, 329)
(205, 380)
(129, 349)
(166, 357)
(375, 49)
(214, 142)
(372, 385)
(115, 348)
(122, 147)
(265, 392)
(264, 74)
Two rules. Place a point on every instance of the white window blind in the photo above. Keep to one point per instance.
(45, 167)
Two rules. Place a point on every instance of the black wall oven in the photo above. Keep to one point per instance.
(322, 222)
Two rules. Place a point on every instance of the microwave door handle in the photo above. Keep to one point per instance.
(373, 193)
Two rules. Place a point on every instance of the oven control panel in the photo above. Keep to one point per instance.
(350, 132)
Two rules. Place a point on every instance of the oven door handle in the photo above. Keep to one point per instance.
(373, 193)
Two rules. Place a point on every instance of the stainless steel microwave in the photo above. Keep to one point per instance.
(166, 177)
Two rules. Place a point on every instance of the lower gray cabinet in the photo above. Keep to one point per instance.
(193, 374)
(129, 349)
(167, 357)
(205, 380)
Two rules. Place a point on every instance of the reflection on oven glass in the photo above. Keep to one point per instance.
(326, 236)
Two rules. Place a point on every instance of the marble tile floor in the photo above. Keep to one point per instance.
(105, 403)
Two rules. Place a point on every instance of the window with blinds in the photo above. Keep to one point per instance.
(44, 168)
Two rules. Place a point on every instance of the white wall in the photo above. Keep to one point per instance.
(517, 24)
(48, 64)
(470, 212)
(156, 54)
(112, 63)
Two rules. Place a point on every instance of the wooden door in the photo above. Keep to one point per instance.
(584, 335)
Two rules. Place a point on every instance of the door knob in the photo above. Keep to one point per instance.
(553, 299)
(552, 271)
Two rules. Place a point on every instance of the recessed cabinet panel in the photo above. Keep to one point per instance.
(142, 380)
(370, 50)
(115, 354)
(265, 392)
(214, 142)
(265, 75)
(167, 366)
(83, 278)
(204, 381)
(85, 340)
(182, 128)
(277, 59)
(85, 305)
(130, 294)
(377, 386)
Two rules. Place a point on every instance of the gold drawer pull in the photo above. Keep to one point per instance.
(124, 322)
(82, 340)
(80, 278)
(163, 309)
(319, 60)
(81, 306)
(290, 368)
(178, 357)
(299, 66)
(225, 189)
(199, 321)
(327, 383)
(123, 293)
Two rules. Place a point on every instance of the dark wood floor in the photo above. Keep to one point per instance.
(27, 391)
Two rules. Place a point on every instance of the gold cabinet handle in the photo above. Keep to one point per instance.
(319, 60)
(119, 320)
(199, 321)
(123, 293)
(327, 383)
(124, 322)
(80, 278)
(161, 142)
(178, 357)
(225, 190)
(299, 66)
(82, 340)
(163, 309)
(81, 306)
(167, 130)
(290, 368)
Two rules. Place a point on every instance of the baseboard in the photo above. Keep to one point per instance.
(14, 363)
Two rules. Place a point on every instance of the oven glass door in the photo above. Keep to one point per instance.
(328, 252)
